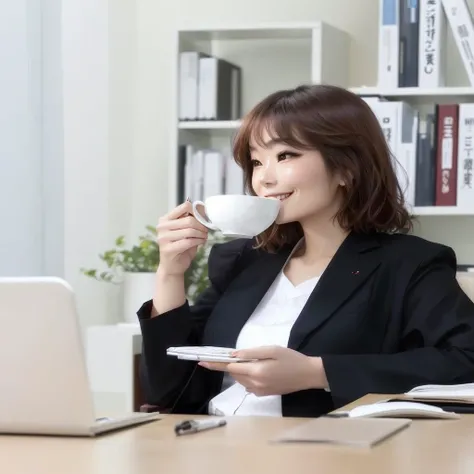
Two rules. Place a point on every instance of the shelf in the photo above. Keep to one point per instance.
(209, 125)
(442, 211)
(245, 32)
(415, 91)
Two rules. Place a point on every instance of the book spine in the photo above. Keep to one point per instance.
(465, 183)
(407, 127)
(388, 43)
(386, 114)
(409, 36)
(460, 20)
(425, 164)
(432, 37)
(224, 90)
(188, 85)
(446, 155)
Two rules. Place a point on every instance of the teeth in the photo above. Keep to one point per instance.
(282, 196)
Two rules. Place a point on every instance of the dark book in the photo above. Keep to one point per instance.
(220, 84)
(446, 154)
(409, 27)
(425, 183)
(181, 172)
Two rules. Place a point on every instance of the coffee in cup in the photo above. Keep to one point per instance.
(237, 215)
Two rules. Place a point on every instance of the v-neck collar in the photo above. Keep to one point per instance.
(354, 261)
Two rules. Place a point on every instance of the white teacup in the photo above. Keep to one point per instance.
(237, 215)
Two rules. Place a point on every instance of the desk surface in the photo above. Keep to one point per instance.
(431, 446)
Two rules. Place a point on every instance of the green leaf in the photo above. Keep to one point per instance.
(120, 241)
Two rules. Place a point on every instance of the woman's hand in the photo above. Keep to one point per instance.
(279, 370)
(179, 235)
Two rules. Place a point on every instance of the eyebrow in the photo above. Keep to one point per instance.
(270, 143)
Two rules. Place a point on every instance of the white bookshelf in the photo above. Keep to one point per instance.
(432, 94)
(451, 225)
(271, 57)
(209, 125)
(281, 55)
(442, 211)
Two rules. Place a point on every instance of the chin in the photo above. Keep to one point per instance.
(285, 219)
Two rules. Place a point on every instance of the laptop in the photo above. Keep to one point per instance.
(45, 387)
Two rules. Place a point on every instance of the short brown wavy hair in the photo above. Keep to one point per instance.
(343, 128)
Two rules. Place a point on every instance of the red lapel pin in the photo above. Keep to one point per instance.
(356, 272)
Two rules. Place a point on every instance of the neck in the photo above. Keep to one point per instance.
(321, 240)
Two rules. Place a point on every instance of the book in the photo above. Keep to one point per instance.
(465, 157)
(409, 39)
(425, 182)
(388, 54)
(356, 432)
(396, 408)
(432, 39)
(444, 392)
(188, 84)
(461, 24)
(447, 154)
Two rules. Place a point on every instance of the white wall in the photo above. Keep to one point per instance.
(85, 81)
(53, 138)
(65, 140)
(98, 38)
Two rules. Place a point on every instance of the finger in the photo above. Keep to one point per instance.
(262, 352)
(175, 235)
(251, 385)
(219, 366)
(182, 223)
(180, 246)
(178, 211)
(242, 368)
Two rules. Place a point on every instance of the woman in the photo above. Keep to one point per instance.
(335, 300)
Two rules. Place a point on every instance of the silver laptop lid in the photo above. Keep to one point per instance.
(42, 364)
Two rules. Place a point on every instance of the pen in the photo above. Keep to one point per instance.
(194, 426)
(337, 414)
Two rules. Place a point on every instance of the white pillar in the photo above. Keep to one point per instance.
(21, 200)
(85, 85)
(66, 140)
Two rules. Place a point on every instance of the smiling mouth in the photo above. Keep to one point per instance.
(281, 197)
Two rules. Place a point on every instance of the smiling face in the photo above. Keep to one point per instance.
(322, 148)
(297, 177)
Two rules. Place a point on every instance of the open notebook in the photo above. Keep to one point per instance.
(394, 408)
(461, 392)
(455, 398)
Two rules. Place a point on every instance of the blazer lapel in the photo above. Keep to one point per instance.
(242, 297)
(350, 267)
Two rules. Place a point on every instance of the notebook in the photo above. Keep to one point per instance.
(459, 392)
(455, 398)
(396, 409)
(354, 432)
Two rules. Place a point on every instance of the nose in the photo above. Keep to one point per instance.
(267, 177)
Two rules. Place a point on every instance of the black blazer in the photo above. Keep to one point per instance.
(386, 315)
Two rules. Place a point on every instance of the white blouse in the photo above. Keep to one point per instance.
(269, 324)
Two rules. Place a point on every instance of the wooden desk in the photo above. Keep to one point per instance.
(427, 446)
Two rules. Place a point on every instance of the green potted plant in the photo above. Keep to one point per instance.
(134, 267)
